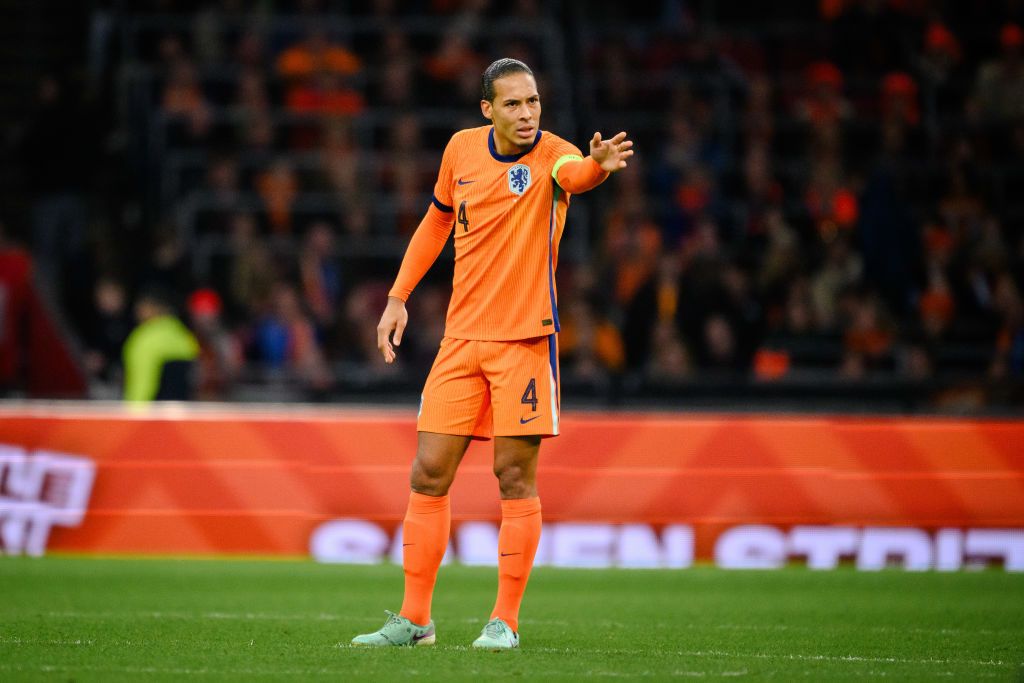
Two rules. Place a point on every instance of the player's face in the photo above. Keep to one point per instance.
(515, 112)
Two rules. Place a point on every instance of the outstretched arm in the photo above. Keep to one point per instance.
(577, 175)
(424, 247)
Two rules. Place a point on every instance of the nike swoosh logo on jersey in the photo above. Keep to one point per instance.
(523, 420)
(508, 554)
(465, 182)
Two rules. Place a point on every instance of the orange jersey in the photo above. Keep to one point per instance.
(509, 214)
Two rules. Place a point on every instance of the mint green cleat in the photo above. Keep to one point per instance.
(497, 636)
(397, 631)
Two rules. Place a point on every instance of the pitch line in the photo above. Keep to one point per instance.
(324, 616)
(181, 671)
(247, 616)
(241, 616)
(50, 668)
(44, 641)
(173, 671)
(791, 656)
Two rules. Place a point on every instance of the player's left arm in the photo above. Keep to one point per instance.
(575, 175)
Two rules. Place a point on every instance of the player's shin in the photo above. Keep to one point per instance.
(517, 546)
(424, 539)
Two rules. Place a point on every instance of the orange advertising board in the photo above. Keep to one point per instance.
(223, 480)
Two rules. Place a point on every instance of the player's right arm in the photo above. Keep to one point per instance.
(424, 247)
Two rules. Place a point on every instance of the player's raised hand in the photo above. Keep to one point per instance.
(611, 154)
(394, 319)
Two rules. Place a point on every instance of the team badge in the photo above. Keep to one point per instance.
(518, 178)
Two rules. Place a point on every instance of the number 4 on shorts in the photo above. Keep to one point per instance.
(530, 395)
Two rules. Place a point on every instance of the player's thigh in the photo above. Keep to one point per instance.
(524, 386)
(455, 398)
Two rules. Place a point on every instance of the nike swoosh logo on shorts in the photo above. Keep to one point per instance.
(523, 420)
(465, 182)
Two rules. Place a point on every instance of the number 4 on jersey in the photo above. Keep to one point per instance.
(462, 219)
(530, 395)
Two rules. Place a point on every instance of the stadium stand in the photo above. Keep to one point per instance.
(825, 214)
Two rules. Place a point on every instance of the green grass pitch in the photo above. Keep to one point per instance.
(102, 620)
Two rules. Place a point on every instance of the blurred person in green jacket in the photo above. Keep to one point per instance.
(160, 353)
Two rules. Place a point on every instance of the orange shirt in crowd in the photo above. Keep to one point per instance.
(300, 61)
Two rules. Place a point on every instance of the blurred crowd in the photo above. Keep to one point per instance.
(827, 191)
(844, 206)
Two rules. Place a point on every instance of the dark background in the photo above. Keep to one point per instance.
(824, 213)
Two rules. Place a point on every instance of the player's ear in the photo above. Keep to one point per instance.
(485, 109)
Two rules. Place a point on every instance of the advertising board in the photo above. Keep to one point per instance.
(628, 490)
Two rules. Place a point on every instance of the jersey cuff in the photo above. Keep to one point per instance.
(440, 206)
(561, 162)
(399, 293)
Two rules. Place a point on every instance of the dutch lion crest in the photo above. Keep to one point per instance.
(518, 178)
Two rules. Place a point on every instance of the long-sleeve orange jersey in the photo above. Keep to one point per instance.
(509, 212)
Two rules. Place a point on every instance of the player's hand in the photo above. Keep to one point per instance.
(394, 319)
(611, 154)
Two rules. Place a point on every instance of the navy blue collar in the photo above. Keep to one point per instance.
(509, 158)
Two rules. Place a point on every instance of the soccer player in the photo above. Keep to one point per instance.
(505, 189)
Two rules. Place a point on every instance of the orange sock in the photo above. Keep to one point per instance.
(428, 521)
(517, 545)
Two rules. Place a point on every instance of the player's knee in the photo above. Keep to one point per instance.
(513, 481)
(429, 477)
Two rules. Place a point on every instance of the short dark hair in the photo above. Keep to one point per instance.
(498, 69)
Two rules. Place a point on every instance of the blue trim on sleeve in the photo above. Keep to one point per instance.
(509, 158)
(440, 206)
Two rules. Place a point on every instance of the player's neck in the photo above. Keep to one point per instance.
(504, 147)
(508, 148)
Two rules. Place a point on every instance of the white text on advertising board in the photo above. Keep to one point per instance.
(740, 547)
(40, 490)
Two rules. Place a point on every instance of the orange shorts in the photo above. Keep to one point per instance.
(492, 388)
